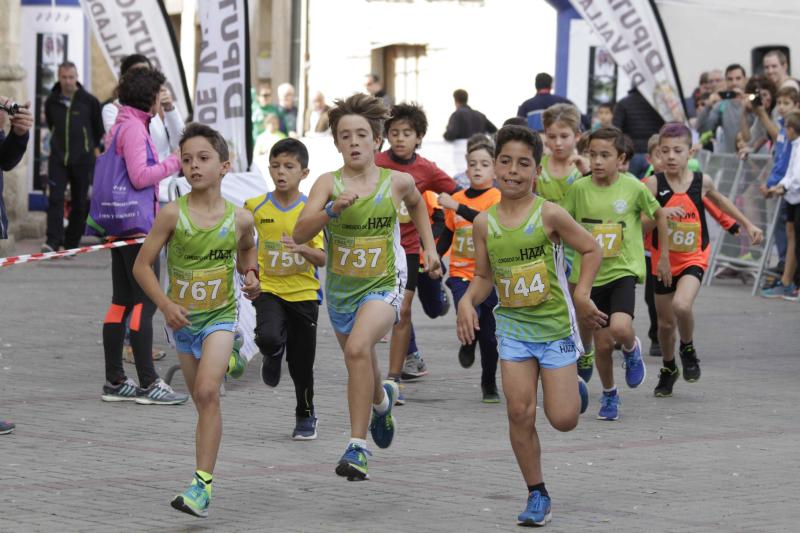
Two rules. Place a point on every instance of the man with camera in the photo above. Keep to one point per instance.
(74, 118)
(724, 110)
(12, 148)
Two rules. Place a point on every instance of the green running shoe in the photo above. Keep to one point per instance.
(586, 366)
(237, 363)
(195, 499)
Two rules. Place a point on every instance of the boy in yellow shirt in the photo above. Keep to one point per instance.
(288, 307)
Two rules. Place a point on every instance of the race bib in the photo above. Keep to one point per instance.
(609, 237)
(359, 257)
(683, 236)
(523, 286)
(463, 243)
(278, 261)
(402, 213)
(200, 290)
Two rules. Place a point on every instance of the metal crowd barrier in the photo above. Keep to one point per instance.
(739, 181)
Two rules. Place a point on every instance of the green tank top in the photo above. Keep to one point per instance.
(531, 281)
(200, 263)
(364, 247)
(554, 188)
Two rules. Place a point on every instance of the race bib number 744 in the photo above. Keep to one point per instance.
(523, 286)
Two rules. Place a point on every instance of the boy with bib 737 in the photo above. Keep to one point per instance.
(366, 268)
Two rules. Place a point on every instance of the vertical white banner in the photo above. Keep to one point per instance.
(222, 95)
(141, 27)
(631, 31)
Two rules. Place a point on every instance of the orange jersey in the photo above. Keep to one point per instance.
(431, 200)
(462, 251)
(688, 235)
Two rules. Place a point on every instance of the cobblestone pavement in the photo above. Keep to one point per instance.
(721, 455)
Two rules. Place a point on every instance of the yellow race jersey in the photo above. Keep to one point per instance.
(287, 275)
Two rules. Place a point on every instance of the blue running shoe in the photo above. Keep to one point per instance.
(195, 499)
(353, 464)
(586, 366)
(584, 392)
(635, 371)
(382, 427)
(537, 512)
(779, 290)
(609, 406)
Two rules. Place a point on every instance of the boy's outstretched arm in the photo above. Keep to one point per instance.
(419, 216)
(479, 288)
(247, 253)
(164, 225)
(711, 192)
(561, 225)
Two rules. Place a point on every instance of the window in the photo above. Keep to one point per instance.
(403, 66)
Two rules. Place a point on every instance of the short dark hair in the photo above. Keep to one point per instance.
(543, 81)
(629, 150)
(411, 112)
(374, 77)
(291, 147)
(788, 92)
(460, 96)
(735, 66)
(67, 64)
(139, 88)
(610, 133)
(703, 78)
(515, 121)
(522, 134)
(131, 60)
(607, 105)
(214, 138)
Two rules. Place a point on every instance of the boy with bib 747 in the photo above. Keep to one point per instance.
(366, 268)
(203, 233)
(519, 249)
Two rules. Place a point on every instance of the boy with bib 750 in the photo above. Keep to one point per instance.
(519, 249)
(203, 233)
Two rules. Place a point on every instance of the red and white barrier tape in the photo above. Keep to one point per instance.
(15, 260)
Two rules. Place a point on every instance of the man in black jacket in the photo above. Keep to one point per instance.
(76, 126)
(465, 121)
(638, 120)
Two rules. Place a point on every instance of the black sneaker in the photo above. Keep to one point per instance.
(690, 363)
(466, 354)
(666, 379)
(490, 394)
(271, 369)
(655, 349)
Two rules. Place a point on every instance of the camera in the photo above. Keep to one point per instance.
(12, 108)
(755, 99)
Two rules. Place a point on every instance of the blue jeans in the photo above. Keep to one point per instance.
(487, 340)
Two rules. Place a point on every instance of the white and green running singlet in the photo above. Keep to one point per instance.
(200, 263)
(531, 281)
(364, 252)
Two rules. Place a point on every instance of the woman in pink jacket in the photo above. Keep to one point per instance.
(138, 92)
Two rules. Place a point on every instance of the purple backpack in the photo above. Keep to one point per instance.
(117, 208)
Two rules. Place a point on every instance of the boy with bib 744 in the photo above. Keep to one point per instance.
(519, 249)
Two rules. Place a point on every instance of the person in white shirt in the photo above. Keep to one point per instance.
(789, 187)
